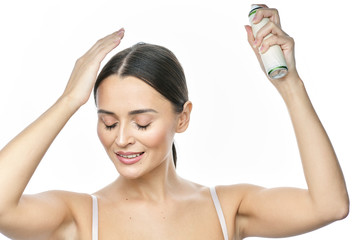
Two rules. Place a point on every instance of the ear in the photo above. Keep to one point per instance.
(184, 118)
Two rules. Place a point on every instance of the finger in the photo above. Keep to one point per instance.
(285, 42)
(251, 39)
(250, 35)
(268, 29)
(105, 45)
(109, 41)
(115, 36)
(265, 12)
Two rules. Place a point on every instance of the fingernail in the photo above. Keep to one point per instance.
(254, 18)
(255, 43)
(261, 49)
(121, 31)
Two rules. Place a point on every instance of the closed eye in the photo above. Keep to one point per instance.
(110, 127)
(140, 127)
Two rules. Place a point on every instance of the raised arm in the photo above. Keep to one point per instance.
(38, 216)
(285, 212)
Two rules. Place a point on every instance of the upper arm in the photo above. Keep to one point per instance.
(36, 216)
(277, 212)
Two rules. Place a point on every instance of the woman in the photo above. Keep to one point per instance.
(142, 102)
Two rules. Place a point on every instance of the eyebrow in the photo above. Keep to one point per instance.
(133, 112)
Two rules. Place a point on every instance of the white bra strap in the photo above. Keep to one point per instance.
(95, 218)
(219, 212)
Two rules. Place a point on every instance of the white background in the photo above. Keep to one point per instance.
(240, 130)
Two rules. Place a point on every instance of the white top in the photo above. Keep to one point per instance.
(95, 216)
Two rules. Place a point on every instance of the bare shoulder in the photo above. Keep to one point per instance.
(48, 214)
(236, 192)
(71, 200)
(196, 191)
(78, 206)
(233, 197)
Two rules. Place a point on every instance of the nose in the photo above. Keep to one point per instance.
(124, 137)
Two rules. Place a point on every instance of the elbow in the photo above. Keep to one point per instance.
(338, 210)
(343, 207)
(332, 209)
(343, 210)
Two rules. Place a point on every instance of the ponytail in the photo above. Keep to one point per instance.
(174, 153)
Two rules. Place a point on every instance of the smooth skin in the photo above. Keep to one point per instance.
(149, 200)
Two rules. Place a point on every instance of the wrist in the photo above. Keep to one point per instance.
(289, 87)
(69, 103)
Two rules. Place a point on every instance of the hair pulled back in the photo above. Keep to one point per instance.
(156, 66)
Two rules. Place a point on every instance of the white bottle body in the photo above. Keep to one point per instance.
(273, 59)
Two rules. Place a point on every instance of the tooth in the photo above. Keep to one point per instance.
(130, 156)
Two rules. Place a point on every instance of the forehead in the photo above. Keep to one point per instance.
(128, 93)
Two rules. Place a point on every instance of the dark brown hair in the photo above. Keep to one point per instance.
(156, 66)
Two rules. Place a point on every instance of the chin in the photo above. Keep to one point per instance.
(139, 169)
(130, 176)
(130, 172)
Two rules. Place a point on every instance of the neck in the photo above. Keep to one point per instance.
(157, 185)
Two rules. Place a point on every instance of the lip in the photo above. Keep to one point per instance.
(129, 161)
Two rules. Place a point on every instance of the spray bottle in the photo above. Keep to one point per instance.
(273, 59)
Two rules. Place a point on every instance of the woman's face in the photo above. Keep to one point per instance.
(136, 125)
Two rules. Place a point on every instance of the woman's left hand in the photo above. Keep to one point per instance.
(285, 212)
(278, 37)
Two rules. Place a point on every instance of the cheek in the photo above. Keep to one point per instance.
(159, 138)
(104, 136)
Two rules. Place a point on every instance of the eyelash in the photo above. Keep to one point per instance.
(110, 127)
(137, 125)
(142, 127)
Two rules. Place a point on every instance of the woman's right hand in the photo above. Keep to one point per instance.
(45, 214)
(83, 76)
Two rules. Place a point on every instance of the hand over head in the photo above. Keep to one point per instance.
(84, 74)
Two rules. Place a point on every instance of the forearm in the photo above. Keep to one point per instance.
(322, 171)
(20, 157)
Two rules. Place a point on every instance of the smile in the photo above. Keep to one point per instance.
(129, 158)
